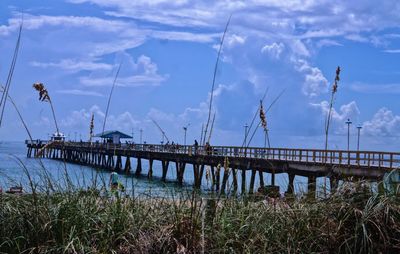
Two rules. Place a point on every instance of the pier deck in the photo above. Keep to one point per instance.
(311, 163)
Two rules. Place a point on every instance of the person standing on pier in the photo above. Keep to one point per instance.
(196, 146)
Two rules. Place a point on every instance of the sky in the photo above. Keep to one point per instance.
(168, 49)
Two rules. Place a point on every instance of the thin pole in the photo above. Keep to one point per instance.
(245, 132)
(184, 137)
(109, 97)
(54, 116)
(358, 137)
(348, 122)
(141, 136)
(132, 135)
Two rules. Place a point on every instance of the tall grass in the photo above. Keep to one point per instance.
(55, 219)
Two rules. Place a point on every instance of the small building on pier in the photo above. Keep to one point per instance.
(113, 136)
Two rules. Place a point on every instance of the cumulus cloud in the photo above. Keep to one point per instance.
(383, 123)
(346, 111)
(142, 72)
(274, 50)
(80, 120)
(315, 82)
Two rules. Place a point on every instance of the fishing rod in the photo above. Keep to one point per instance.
(214, 77)
(162, 131)
(10, 73)
(109, 97)
(211, 129)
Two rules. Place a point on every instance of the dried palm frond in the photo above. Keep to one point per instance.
(91, 128)
(262, 116)
(328, 119)
(260, 122)
(44, 96)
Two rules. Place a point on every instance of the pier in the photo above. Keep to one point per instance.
(224, 162)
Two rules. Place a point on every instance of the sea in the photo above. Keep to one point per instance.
(18, 170)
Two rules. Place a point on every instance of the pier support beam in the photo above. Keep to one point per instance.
(128, 165)
(201, 172)
(165, 165)
(290, 188)
(196, 175)
(118, 164)
(138, 167)
(212, 171)
(150, 173)
(181, 171)
(224, 180)
(234, 180)
(273, 177)
(252, 180)
(261, 175)
(243, 181)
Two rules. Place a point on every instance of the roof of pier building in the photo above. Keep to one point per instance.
(111, 134)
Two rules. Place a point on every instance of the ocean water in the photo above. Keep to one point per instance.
(17, 169)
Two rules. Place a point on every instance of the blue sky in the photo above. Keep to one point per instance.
(168, 50)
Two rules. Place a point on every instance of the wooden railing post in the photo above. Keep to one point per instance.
(391, 161)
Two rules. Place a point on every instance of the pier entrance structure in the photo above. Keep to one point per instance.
(114, 136)
(225, 163)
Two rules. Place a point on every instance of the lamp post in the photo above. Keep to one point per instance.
(141, 135)
(185, 130)
(245, 133)
(348, 122)
(358, 137)
(132, 135)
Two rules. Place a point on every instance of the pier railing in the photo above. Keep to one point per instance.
(389, 160)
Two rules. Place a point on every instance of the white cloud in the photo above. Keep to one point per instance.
(74, 65)
(299, 49)
(142, 72)
(274, 50)
(327, 43)
(393, 51)
(383, 123)
(315, 82)
(338, 118)
(233, 40)
(80, 120)
(80, 92)
(375, 88)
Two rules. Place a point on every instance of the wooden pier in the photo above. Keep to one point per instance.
(224, 161)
